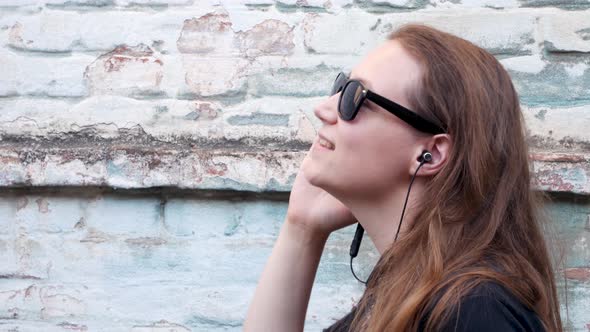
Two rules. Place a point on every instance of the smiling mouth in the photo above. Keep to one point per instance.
(325, 143)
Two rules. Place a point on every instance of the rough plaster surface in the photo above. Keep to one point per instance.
(106, 261)
(109, 106)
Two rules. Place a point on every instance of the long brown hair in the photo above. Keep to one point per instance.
(482, 220)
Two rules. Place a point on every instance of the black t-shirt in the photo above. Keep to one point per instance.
(489, 307)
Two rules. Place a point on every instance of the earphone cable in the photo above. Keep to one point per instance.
(406, 202)
(400, 220)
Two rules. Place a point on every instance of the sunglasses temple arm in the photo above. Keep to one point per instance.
(405, 114)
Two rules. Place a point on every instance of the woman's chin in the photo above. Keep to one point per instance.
(312, 172)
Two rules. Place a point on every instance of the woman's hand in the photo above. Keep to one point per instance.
(314, 209)
(282, 295)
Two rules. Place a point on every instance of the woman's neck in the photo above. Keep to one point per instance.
(380, 215)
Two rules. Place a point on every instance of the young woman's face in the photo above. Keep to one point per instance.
(372, 153)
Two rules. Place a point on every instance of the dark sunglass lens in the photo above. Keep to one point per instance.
(352, 98)
(338, 84)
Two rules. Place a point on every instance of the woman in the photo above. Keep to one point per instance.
(470, 254)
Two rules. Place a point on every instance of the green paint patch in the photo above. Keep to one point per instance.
(264, 119)
(553, 86)
(378, 7)
(294, 82)
(274, 185)
(563, 4)
(289, 8)
(584, 33)
(569, 219)
(541, 115)
(232, 226)
(201, 321)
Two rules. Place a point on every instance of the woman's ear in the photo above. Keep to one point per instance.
(439, 147)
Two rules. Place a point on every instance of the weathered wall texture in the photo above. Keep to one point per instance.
(147, 147)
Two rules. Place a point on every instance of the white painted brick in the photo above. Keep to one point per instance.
(51, 76)
(245, 122)
(64, 31)
(127, 70)
(138, 287)
(307, 3)
(226, 3)
(8, 255)
(131, 263)
(113, 216)
(327, 5)
(554, 125)
(392, 4)
(203, 220)
(39, 214)
(17, 3)
(74, 4)
(322, 31)
(270, 37)
(242, 171)
(69, 172)
(472, 4)
(57, 303)
(576, 69)
(567, 31)
(297, 76)
(32, 257)
(106, 115)
(8, 206)
(51, 32)
(531, 64)
(160, 326)
(210, 33)
(214, 76)
(154, 2)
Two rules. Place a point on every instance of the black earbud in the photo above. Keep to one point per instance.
(425, 157)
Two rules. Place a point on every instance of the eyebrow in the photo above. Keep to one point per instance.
(366, 83)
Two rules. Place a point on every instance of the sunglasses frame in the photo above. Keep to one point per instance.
(406, 115)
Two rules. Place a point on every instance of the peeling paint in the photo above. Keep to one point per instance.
(264, 119)
(18, 276)
(232, 226)
(205, 33)
(560, 157)
(21, 203)
(541, 115)
(126, 70)
(95, 236)
(80, 224)
(209, 111)
(146, 242)
(15, 35)
(578, 274)
(270, 37)
(43, 205)
(162, 325)
(584, 33)
(72, 326)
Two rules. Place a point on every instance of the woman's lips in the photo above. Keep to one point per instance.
(324, 142)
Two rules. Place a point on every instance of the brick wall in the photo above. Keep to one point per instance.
(147, 147)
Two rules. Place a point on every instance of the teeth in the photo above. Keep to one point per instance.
(326, 144)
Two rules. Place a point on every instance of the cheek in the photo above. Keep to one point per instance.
(371, 157)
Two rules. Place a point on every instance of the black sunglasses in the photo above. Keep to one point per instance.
(354, 94)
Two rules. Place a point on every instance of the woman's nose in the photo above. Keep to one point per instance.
(326, 110)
